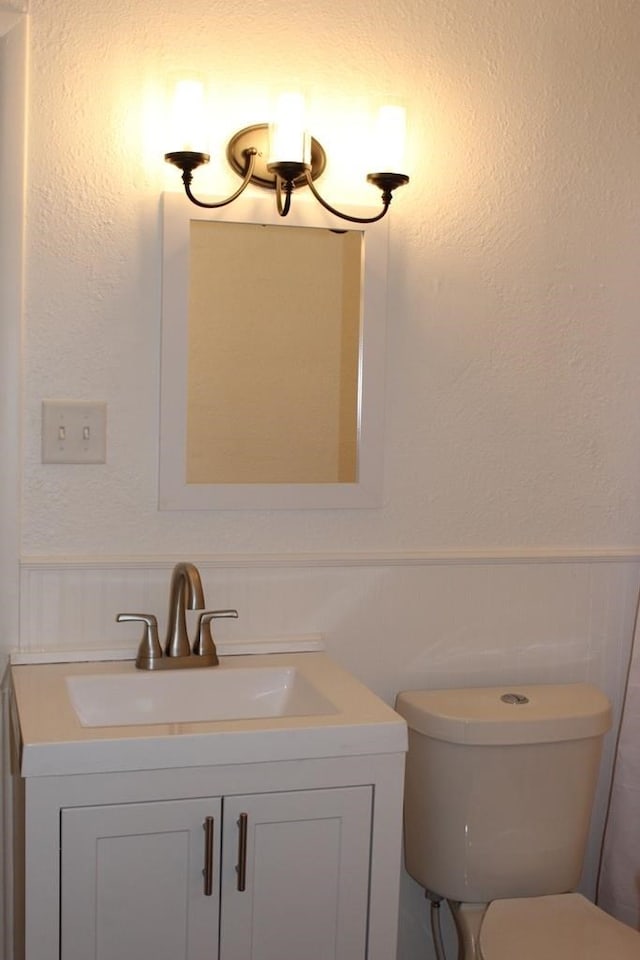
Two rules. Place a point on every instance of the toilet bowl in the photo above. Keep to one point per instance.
(562, 927)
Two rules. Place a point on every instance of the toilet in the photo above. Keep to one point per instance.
(498, 795)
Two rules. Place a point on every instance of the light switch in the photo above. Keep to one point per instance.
(74, 431)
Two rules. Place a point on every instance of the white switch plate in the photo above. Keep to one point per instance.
(74, 431)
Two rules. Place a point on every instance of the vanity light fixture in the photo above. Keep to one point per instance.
(282, 156)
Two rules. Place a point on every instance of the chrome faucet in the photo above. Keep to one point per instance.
(185, 593)
(186, 589)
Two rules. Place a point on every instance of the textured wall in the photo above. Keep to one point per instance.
(512, 389)
(13, 46)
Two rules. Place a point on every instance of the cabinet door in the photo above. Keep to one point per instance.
(132, 882)
(306, 875)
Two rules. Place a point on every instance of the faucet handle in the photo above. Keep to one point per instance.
(149, 651)
(204, 645)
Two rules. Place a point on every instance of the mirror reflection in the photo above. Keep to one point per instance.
(274, 321)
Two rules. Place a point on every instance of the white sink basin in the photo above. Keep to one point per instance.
(99, 716)
(210, 694)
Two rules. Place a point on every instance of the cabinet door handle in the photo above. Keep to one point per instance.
(207, 873)
(241, 869)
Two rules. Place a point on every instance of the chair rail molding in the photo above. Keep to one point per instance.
(364, 558)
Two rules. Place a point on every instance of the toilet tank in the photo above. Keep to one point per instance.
(499, 787)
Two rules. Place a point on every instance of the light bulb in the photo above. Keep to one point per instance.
(288, 137)
(387, 153)
(187, 116)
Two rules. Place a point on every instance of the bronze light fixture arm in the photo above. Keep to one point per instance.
(188, 161)
(283, 187)
(387, 182)
(287, 174)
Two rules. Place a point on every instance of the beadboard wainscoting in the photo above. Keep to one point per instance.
(396, 620)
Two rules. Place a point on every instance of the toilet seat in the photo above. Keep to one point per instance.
(563, 927)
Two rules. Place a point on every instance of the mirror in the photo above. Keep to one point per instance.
(272, 358)
(273, 350)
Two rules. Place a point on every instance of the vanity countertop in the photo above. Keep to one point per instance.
(50, 739)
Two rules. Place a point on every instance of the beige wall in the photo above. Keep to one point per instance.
(509, 540)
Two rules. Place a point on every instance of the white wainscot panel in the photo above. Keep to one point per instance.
(396, 621)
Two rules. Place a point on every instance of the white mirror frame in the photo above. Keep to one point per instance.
(174, 492)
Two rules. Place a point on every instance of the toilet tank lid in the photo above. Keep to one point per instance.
(510, 714)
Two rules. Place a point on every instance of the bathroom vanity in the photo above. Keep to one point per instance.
(273, 837)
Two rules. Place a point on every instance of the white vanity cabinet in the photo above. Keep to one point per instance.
(265, 877)
(296, 821)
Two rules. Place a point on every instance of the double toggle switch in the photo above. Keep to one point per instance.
(74, 431)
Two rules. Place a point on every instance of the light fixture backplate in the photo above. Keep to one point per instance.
(257, 137)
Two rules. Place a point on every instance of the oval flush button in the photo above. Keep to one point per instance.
(514, 698)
